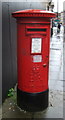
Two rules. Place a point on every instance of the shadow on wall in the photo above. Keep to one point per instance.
(9, 45)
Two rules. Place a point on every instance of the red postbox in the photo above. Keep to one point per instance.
(33, 45)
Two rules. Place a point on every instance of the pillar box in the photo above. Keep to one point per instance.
(33, 47)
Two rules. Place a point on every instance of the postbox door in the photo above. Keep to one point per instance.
(40, 62)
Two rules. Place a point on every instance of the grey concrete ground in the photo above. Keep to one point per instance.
(55, 109)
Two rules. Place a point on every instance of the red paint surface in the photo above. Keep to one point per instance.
(32, 77)
(33, 13)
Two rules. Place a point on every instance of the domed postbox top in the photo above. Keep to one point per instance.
(33, 13)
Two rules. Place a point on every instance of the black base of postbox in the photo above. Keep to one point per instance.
(32, 102)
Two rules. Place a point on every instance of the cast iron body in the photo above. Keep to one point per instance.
(33, 45)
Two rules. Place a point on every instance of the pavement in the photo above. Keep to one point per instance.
(56, 79)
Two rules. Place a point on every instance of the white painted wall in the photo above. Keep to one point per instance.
(25, 0)
(64, 6)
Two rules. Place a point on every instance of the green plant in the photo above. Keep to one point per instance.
(10, 92)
